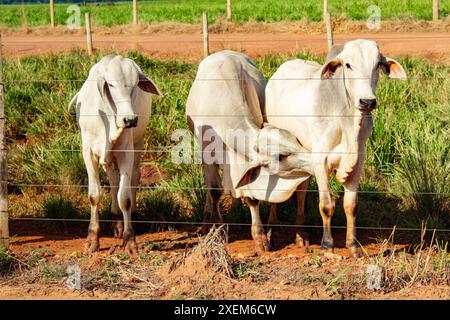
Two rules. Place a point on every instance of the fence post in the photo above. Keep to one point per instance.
(52, 13)
(435, 10)
(329, 24)
(135, 12)
(88, 33)
(325, 9)
(229, 10)
(205, 35)
(4, 230)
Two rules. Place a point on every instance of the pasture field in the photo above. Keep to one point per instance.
(190, 11)
(406, 164)
(405, 184)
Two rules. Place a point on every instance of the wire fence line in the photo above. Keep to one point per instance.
(222, 153)
(319, 38)
(223, 115)
(170, 150)
(226, 223)
(415, 77)
(148, 187)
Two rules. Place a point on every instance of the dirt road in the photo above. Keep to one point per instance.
(434, 46)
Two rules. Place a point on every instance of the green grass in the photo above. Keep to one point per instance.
(190, 11)
(406, 154)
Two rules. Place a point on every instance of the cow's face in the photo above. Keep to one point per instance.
(358, 64)
(121, 77)
(280, 153)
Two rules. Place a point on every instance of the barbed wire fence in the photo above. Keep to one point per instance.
(4, 231)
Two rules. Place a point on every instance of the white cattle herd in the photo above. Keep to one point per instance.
(259, 140)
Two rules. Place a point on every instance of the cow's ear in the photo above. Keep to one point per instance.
(249, 175)
(392, 68)
(103, 89)
(330, 68)
(148, 85)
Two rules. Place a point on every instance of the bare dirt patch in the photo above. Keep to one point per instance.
(177, 264)
(433, 46)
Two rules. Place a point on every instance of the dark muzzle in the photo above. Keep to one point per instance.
(367, 104)
(130, 122)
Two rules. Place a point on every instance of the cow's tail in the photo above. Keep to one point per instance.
(72, 102)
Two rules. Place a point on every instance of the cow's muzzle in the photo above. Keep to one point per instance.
(367, 104)
(130, 122)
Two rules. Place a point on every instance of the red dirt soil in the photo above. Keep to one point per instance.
(433, 46)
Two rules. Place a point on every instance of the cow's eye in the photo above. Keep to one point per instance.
(109, 84)
(348, 66)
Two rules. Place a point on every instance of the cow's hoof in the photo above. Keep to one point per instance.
(302, 239)
(273, 237)
(262, 244)
(91, 246)
(118, 229)
(129, 244)
(327, 243)
(355, 252)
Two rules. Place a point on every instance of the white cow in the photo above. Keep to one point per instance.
(113, 110)
(328, 108)
(224, 108)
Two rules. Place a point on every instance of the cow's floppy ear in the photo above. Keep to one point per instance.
(392, 68)
(103, 89)
(148, 85)
(330, 68)
(249, 175)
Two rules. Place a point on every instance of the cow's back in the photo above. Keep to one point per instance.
(228, 93)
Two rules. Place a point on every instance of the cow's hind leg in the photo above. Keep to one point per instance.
(258, 234)
(213, 183)
(114, 180)
(301, 236)
(273, 234)
(91, 162)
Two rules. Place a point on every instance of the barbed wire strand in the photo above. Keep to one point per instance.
(319, 38)
(226, 223)
(208, 188)
(192, 79)
(172, 150)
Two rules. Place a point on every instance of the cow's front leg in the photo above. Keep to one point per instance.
(326, 202)
(350, 208)
(91, 162)
(125, 163)
(258, 234)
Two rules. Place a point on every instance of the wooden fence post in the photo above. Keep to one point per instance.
(52, 13)
(435, 10)
(205, 35)
(325, 9)
(329, 24)
(229, 10)
(88, 33)
(4, 229)
(135, 12)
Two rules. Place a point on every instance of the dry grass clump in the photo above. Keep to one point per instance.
(304, 26)
(192, 274)
(422, 265)
(209, 255)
